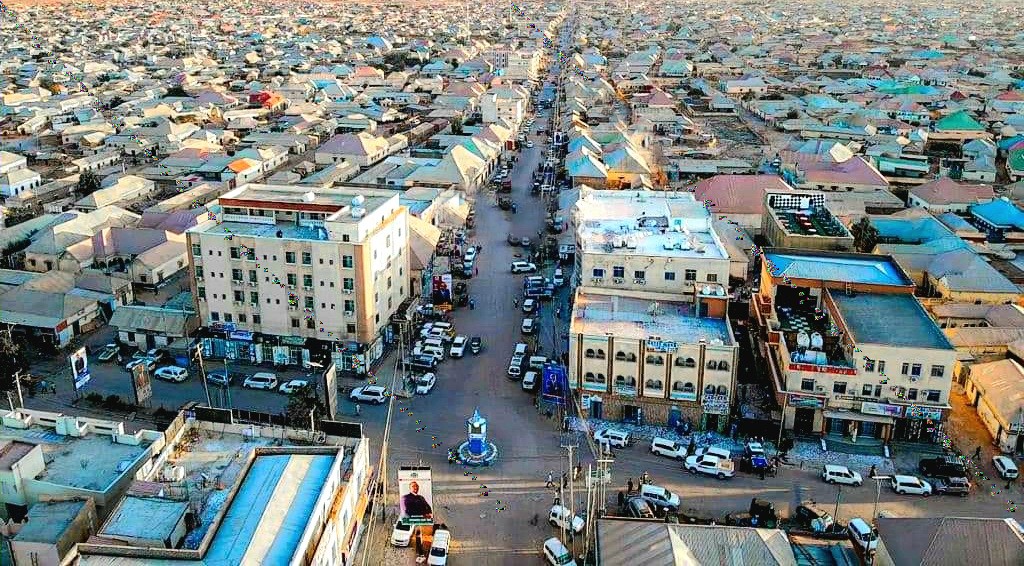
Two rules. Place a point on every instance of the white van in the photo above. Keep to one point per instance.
(439, 548)
(432, 351)
(558, 278)
(537, 362)
(557, 554)
(862, 535)
(530, 381)
(521, 349)
(668, 448)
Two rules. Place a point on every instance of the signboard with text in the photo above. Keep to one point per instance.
(716, 404)
(835, 370)
(415, 496)
(881, 409)
(663, 346)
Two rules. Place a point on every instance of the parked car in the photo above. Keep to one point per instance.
(1005, 467)
(172, 373)
(475, 345)
(614, 437)
(761, 513)
(529, 305)
(109, 352)
(420, 363)
(458, 348)
(559, 517)
(470, 255)
(862, 534)
(714, 451)
(425, 383)
(150, 363)
(813, 517)
(558, 278)
(556, 554)
(911, 485)
(369, 394)
(292, 386)
(527, 326)
(438, 555)
(515, 367)
(668, 448)
(951, 486)
(660, 498)
(840, 474)
(521, 349)
(523, 267)
(261, 380)
(530, 381)
(639, 508)
(157, 354)
(942, 466)
(224, 378)
(711, 465)
(525, 242)
(401, 535)
(537, 362)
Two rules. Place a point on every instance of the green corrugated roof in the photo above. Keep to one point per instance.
(1015, 160)
(959, 120)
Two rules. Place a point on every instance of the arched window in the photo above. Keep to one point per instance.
(600, 354)
(620, 356)
(655, 360)
(654, 385)
(589, 376)
(590, 353)
(712, 364)
(709, 390)
(723, 365)
(722, 390)
(625, 380)
(685, 362)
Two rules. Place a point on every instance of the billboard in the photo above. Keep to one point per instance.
(80, 368)
(142, 384)
(330, 383)
(415, 497)
(441, 289)
(555, 384)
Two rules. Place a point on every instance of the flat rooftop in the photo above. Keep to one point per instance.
(160, 517)
(889, 319)
(817, 222)
(842, 268)
(289, 197)
(289, 230)
(624, 317)
(91, 462)
(48, 520)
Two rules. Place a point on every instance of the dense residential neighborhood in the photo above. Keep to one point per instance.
(601, 283)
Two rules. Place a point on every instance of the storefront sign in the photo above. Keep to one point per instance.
(835, 370)
(627, 390)
(716, 404)
(293, 341)
(222, 326)
(881, 409)
(924, 413)
(806, 402)
(663, 346)
(240, 335)
(683, 395)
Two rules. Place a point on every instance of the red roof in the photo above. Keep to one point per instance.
(947, 191)
(738, 194)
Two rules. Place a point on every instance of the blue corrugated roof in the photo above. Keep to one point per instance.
(877, 271)
(999, 212)
(893, 320)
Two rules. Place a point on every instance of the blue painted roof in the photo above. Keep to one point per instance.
(875, 271)
(999, 212)
(289, 483)
(892, 320)
(911, 230)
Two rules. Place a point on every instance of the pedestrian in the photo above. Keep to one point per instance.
(1008, 482)
(565, 479)
(551, 480)
(515, 302)
(629, 485)
(977, 452)
(476, 271)
(472, 304)
(357, 409)
(577, 471)
(871, 474)
(622, 499)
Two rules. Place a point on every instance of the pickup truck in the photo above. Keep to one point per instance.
(951, 486)
(711, 465)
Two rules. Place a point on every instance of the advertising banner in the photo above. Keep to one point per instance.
(142, 384)
(441, 289)
(80, 368)
(881, 409)
(415, 497)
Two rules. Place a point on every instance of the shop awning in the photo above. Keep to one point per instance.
(858, 416)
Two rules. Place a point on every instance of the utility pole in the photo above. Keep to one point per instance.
(878, 492)
(839, 495)
(572, 494)
(202, 372)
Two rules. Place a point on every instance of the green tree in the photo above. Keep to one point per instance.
(301, 403)
(12, 361)
(177, 91)
(457, 128)
(865, 235)
(88, 183)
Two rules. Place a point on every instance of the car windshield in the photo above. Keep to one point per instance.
(437, 551)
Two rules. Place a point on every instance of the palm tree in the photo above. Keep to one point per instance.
(865, 235)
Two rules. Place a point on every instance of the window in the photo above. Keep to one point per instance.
(915, 370)
(912, 394)
(869, 365)
(254, 297)
(309, 303)
(620, 356)
(712, 278)
(934, 395)
(878, 391)
(242, 317)
(346, 261)
(347, 283)
(201, 291)
(239, 296)
(255, 319)
(670, 276)
(252, 276)
(655, 360)
(690, 275)
(292, 279)
(227, 317)
(723, 365)
(686, 388)
(866, 390)
(654, 385)
(236, 274)
(839, 387)
(307, 258)
(307, 281)
(199, 272)
(881, 366)
(598, 272)
(938, 371)
(295, 323)
(906, 369)
(233, 252)
(197, 250)
(289, 257)
(639, 275)
(310, 323)
(807, 384)
(686, 362)
(350, 328)
(350, 305)
(618, 271)
(214, 316)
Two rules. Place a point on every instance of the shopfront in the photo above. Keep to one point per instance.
(872, 421)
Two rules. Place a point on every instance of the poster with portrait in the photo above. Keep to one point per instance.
(80, 368)
(415, 498)
(441, 289)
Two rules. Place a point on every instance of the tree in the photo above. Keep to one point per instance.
(300, 403)
(177, 91)
(865, 235)
(457, 127)
(12, 360)
(88, 183)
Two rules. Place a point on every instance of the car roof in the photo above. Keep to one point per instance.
(1005, 460)
(900, 478)
(836, 468)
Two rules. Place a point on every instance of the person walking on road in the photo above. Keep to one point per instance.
(551, 480)
(977, 452)
(629, 485)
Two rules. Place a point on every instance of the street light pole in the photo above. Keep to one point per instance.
(839, 496)
(878, 492)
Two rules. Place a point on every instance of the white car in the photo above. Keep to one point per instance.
(527, 326)
(470, 255)
(529, 144)
(401, 534)
(109, 352)
(710, 465)
(1005, 467)
(714, 451)
(523, 267)
(292, 386)
(840, 474)
(438, 555)
(659, 497)
(556, 554)
(910, 485)
(520, 349)
(530, 381)
(172, 373)
(425, 383)
(261, 380)
(529, 305)
(668, 448)
(458, 348)
(150, 363)
(559, 516)
(612, 436)
(369, 394)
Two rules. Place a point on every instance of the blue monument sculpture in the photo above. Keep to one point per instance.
(477, 450)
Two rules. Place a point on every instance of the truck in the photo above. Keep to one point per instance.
(711, 465)
(761, 514)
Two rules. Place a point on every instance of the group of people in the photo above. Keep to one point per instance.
(644, 478)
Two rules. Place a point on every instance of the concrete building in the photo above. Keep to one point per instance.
(285, 273)
(646, 241)
(506, 104)
(801, 220)
(641, 357)
(52, 530)
(852, 352)
(996, 391)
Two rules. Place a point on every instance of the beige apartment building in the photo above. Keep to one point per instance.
(284, 273)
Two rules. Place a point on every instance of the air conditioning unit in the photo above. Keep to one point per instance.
(349, 313)
(819, 388)
(255, 305)
(291, 287)
(252, 283)
(640, 281)
(617, 281)
(347, 291)
(306, 288)
(597, 280)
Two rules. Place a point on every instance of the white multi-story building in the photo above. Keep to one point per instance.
(504, 104)
(656, 242)
(281, 273)
(523, 65)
